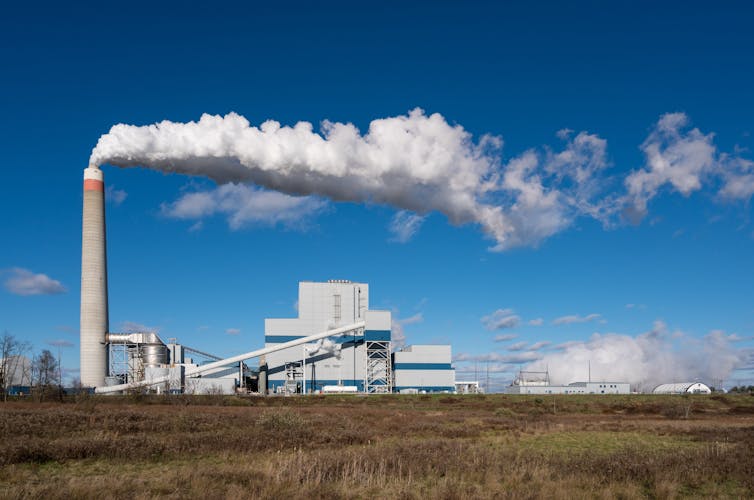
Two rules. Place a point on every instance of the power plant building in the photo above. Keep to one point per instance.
(336, 361)
(363, 361)
(336, 344)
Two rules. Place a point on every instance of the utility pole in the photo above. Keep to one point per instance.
(487, 383)
(60, 369)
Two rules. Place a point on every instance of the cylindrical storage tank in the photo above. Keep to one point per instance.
(154, 354)
(94, 314)
(142, 357)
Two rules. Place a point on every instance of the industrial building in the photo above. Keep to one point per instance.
(336, 344)
(354, 362)
(355, 359)
(539, 383)
(424, 368)
(682, 388)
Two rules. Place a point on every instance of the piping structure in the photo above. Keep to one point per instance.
(222, 364)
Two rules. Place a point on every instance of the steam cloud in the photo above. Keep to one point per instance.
(646, 360)
(324, 346)
(417, 163)
(420, 163)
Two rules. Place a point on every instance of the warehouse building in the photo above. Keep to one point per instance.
(682, 388)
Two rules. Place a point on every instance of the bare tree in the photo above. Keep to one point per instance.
(14, 365)
(45, 373)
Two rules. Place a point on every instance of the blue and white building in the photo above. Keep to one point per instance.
(423, 368)
(359, 361)
(336, 361)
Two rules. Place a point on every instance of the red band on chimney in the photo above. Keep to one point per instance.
(93, 185)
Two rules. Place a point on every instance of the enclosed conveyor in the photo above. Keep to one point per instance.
(216, 366)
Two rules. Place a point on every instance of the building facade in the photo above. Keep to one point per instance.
(356, 359)
(424, 368)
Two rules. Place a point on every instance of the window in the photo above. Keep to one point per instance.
(336, 308)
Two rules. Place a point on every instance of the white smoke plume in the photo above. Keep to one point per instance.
(324, 346)
(417, 163)
(646, 360)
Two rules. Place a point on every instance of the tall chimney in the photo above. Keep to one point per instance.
(94, 315)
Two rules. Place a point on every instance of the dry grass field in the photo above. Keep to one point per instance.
(380, 447)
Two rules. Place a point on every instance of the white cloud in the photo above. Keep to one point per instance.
(398, 333)
(738, 179)
(115, 196)
(417, 163)
(24, 282)
(674, 156)
(720, 335)
(685, 158)
(60, 343)
(574, 318)
(134, 327)
(539, 345)
(501, 319)
(233, 331)
(244, 205)
(517, 346)
(504, 337)
(636, 306)
(549, 191)
(644, 360)
(480, 371)
(516, 358)
(537, 322)
(404, 225)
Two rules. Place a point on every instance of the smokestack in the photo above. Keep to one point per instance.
(94, 312)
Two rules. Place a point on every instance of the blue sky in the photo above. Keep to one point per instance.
(683, 273)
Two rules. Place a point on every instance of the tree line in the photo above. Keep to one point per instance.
(40, 374)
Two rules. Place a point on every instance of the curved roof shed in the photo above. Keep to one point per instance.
(682, 388)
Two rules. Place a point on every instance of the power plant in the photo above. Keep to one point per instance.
(336, 345)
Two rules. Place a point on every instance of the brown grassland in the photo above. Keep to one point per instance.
(421, 446)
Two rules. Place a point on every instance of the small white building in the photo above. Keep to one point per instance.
(539, 383)
(682, 388)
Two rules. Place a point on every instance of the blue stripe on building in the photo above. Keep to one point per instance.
(377, 335)
(422, 366)
(318, 384)
(280, 339)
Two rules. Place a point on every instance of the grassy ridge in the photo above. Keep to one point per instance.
(392, 446)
